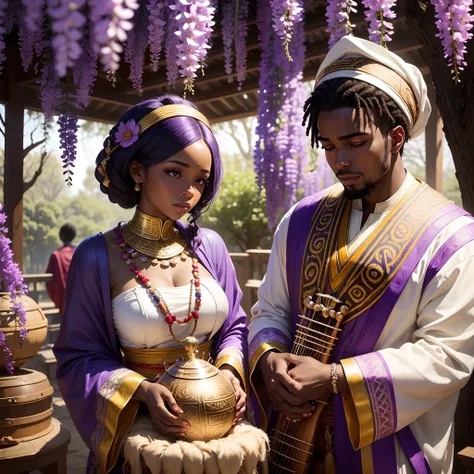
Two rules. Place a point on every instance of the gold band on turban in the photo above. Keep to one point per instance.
(155, 116)
(377, 70)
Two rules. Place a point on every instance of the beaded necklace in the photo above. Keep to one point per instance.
(129, 254)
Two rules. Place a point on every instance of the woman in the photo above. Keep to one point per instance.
(141, 288)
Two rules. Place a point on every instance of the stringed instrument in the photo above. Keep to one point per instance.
(292, 444)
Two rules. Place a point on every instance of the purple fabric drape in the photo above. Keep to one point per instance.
(87, 349)
(360, 335)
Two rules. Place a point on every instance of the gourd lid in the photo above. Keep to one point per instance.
(190, 367)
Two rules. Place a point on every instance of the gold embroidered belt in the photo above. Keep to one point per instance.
(151, 362)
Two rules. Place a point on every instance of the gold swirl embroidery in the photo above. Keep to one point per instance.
(369, 272)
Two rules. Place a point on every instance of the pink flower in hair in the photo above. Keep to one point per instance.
(127, 133)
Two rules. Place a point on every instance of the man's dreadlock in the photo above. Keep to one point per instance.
(344, 92)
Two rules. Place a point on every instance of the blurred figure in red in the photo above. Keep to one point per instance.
(59, 266)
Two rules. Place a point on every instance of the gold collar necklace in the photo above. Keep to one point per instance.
(153, 236)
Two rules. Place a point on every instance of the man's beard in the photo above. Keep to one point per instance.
(352, 194)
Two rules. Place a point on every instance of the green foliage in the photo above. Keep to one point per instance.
(238, 214)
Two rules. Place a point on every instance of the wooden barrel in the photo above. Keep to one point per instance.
(36, 324)
(26, 400)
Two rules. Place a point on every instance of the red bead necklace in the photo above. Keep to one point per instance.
(129, 254)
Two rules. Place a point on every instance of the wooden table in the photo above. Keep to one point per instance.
(47, 454)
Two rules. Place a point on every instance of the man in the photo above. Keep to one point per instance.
(398, 255)
(59, 266)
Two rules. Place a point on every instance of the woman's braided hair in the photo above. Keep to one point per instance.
(344, 92)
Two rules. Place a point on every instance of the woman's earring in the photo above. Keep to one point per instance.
(137, 187)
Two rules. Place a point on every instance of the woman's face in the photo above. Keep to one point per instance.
(172, 188)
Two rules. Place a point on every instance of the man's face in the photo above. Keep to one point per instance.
(356, 150)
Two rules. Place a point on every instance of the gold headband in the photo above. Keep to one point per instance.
(155, 116)
(381, 72)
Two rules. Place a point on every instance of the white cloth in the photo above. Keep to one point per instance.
(350, 46)
(427, 343)
(139, 323)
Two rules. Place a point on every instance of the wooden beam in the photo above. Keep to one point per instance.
(434, 143)
(13, 186)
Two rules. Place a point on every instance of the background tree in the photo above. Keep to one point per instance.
(238, 214)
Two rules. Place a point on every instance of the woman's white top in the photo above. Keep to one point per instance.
(139, 323)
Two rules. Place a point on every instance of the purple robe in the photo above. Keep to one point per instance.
(361, 334)
(88, 350)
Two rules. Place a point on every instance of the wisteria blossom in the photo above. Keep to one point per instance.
(3, 9)
(50, 94)
(85, 75)
(240, 42)
(111, 21)
(11, 276)
(68, 127)
(195, 22)
(454, 21)
(338, 13)
(66, 23)
(279, 149)
(377, 14)
(228, 28)
(156, 30)
(171, 47)
(135, 48)
(33, 11)
(286, 13)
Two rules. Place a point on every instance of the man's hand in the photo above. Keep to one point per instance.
(281, 387)
(311, 379)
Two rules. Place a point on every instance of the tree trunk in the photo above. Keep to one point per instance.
(455, 103)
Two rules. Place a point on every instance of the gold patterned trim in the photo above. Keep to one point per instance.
(317, 254)
(341, 255)
(234, 362)
(265, 347)
(120, 406)
(150, 362)
(381, 72)
(367, 460)
(357, 406)
(339, 277)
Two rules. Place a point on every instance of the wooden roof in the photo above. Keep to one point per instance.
(216, 93)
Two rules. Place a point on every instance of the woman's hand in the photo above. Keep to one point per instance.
(164, 410)
(230, 375)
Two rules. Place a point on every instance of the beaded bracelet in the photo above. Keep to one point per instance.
(333, 375)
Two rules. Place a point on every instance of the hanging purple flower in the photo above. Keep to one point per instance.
(12, 16)
(11, 275)
(33, 11)
(286, 13)
(377, 14)
(66, 23)
(279, 149)
(134, 53)
(228, 20)
(240, 42)
(172, 41)
(68, 127)
(26, 41)
(454, 22)
(50, 94)
(127, 133)
(195, 24)
(111, 20)
(156, 30)
(3, 10)
(85, 75)
(338, 16)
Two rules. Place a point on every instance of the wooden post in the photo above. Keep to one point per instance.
(13, 189)
(434, 143)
